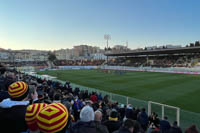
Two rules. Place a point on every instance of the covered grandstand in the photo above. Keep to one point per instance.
(176, 57)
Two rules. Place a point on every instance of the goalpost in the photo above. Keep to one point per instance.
(163, 108)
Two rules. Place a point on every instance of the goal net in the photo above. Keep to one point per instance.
(173, 113)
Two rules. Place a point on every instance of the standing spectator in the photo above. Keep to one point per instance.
(97, 119)
(127, 127)
(164, 125)
(99, 96)
(2, 78)
(57, 98)
(129, 112)
(143, 119)
(53, 119)
(12, 111)
(3, 87)
(94, 98)
(86, 123)
(175, 128)
(122, 111)
(113, 123)
(192, 129)
(31, 113)
(154, 121)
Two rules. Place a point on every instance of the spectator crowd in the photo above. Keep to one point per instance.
(34, 105)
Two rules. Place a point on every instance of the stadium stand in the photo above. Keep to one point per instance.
(64, 109)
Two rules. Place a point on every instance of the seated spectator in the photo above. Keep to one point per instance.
(164, 125)
(12, 111)
(113, 123)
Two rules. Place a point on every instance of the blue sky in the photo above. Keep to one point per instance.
(55, 24)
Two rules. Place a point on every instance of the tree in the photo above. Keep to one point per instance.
(52, 57)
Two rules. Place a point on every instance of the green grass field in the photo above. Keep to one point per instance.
(173, 89)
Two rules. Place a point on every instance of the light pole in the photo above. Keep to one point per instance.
(107, 37)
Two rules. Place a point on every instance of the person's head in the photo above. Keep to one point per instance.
(129, 124)
(98, 116)
(31, 113)
(57, 96)
(18, 91)
(165, 117)
(192, 129)
(53, 118)
(113, 115)
(87, 114)
(175, 124)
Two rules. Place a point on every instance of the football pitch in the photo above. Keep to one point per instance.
(179, 90)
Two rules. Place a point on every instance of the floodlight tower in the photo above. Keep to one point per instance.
(107, 37)
(126, 45)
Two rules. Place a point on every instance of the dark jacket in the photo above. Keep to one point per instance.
(86, 127)
(2, 83)
(143, 120)
(12, 119)
(175, 130)
(101, 128)
(112, 125)
(164, 125)
(122, 130)
(129, 113)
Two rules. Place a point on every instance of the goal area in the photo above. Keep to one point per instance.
(173, 113)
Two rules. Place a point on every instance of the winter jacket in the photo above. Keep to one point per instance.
(122, 130)
(12, 116)
(175, 130)
(164, 125)
(101, 128)
(86, 127)
(112, 125)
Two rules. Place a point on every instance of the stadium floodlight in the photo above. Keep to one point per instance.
(107, 37)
